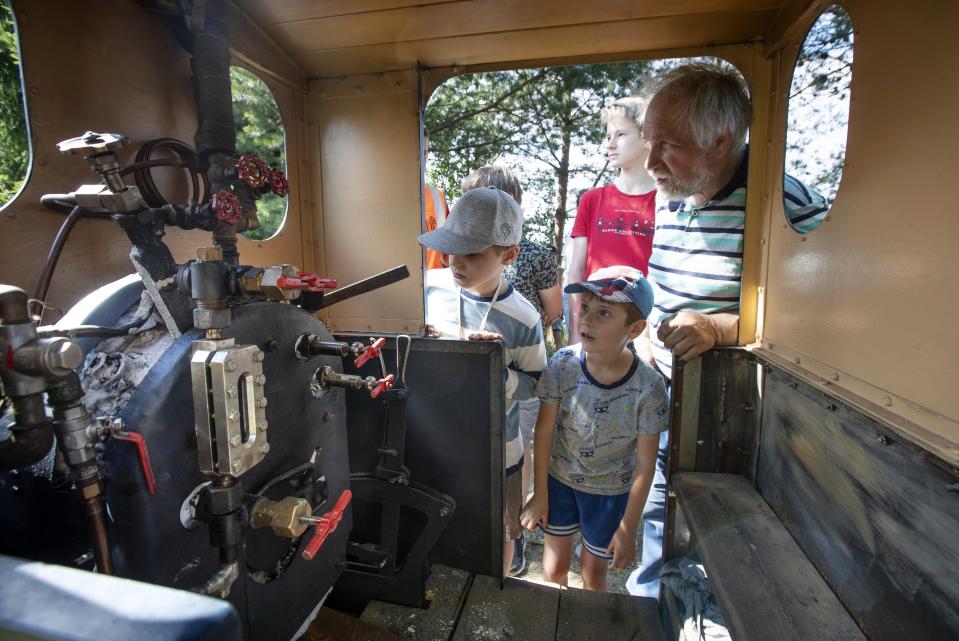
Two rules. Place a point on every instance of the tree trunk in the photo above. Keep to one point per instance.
(562, 187)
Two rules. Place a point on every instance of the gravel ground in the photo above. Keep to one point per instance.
(615, 581)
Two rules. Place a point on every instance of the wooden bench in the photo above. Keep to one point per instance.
(468, 607)
(765, 586)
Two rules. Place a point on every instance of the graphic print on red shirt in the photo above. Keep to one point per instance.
(618, 228)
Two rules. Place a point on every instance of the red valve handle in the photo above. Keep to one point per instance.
(385, 384)
(371, 352)
(144, 455)
(278, 183)
(306, 280)
(226, 206)
(327, 524)
(253, 171)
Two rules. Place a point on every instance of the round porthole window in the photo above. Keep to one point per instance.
(818, 118)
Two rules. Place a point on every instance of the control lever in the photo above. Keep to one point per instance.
(306, 281)
(325, 525)
(369, 353)
(106, 426)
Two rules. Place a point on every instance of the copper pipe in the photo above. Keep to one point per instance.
(92, 494)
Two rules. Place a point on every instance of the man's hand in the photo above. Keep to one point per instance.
(485, 336)
(623, 548)
(688, 334)
(535, 512)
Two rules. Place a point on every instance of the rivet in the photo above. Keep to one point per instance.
(236, 464)
(260, 380)
(258, 356)
(262, 424)
(233, 415)
(887, 401)
(803, 239)
(265, 447)
(835, 376)
(676, 404)
(236, 440)
(797, 360)
(261, 402)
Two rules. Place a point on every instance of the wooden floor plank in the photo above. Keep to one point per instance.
(598, 616)
(521, 610)
(444, 591)
(764, 584)
(331, 625)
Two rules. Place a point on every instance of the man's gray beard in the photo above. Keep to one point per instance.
(680, 191)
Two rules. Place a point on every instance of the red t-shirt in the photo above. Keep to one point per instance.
(618, 228)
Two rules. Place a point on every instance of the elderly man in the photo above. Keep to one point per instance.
(695, 130)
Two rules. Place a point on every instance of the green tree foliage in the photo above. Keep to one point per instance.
(259, 130)
(534, 118)
(819, 103)
(14, 142)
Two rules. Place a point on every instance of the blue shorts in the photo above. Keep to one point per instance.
(597, 515)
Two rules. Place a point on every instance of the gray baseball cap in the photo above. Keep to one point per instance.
(480, 218)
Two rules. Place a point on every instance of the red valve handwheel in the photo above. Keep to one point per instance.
(278, 183)
(226, 206)
(252, 171)
(327, 524)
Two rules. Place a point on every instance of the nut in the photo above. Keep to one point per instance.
(283, 516)
(270, 278)
(211, 318)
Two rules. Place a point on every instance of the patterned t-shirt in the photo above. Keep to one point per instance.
(534, 269)
(594, 445)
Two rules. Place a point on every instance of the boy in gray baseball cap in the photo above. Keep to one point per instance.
(472, 300)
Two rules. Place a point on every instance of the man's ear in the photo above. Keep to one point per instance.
(511, 253)
(723, 144)
(635, 329)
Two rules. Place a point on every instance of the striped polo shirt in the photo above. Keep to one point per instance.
(453, 311)
(697, 258)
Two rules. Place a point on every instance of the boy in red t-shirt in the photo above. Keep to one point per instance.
(614, 224)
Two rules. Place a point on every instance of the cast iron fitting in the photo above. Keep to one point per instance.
(14, 305)
(31, 437)
(48, 357)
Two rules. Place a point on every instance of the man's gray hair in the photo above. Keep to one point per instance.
(710, 100)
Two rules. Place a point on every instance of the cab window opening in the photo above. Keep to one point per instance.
(15, 144)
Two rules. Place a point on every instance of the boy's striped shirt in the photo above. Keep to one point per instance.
(456, 312)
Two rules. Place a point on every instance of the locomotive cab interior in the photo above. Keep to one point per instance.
(262, 424)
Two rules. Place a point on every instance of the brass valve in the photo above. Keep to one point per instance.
(284, 517)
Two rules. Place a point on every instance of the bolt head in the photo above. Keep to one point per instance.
(235, 464)
(236, 440)
(261, 402)
(233, 415)
(258, 356)
(260, 380)
(231, 392)
(262, 425)
(264, 448)
(209, 253)
(231, 365)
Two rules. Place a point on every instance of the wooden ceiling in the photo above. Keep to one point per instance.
(329, 38)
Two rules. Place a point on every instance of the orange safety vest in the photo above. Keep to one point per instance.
(434, 214)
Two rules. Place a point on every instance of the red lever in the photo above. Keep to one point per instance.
(137, 439)
(370, 352)
(226, 206)
(252, 170)
(326, 524)
(385, 384)
(307, 281)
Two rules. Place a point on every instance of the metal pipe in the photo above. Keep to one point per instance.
(91, 493)
(46, 274)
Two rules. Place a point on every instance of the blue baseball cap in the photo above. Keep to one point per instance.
(619, 284)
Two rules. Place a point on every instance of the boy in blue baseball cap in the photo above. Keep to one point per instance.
(597, 435)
